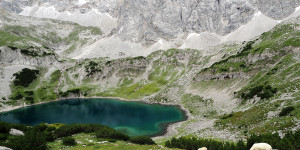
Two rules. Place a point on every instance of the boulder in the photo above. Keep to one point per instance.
(16, 132)
(4, 148)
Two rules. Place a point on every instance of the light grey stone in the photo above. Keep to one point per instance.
(16, 132)
(4, 148)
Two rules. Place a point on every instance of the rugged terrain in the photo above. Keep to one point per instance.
(137, 28)
(230, 90)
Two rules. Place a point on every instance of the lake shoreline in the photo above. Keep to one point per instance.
(166, 127)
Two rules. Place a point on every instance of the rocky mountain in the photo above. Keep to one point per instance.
(232, 65)
(160, 24)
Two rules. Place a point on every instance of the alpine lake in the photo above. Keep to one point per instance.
(131, 118)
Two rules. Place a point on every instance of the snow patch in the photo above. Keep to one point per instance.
(81, 2)
(260, 24)
(40, 12)
(68, 13)
(192, 35)
(91, 18)
(297, 9)
(202, 40)
(257, 14)
(160, 41)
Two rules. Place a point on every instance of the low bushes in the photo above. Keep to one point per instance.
(5, 127)
(32, 140)
(111, 134)
(262, 91)
(68, 130)
(285, 111)
(142, 140)
(289, 142)
(69, 141)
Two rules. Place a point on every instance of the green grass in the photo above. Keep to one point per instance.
(282, 76)
(270, 42)
(22, 37)
(281, 36)
(71, 49)
(171, 52)
(8, 39)
(126, 82)
(194, 103)
(135, 91)
(43, 89)
(75, 34)
(254, 120)
(158, 78)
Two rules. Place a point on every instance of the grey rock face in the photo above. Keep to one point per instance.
(276, 9)
(14, 57)
(148, 20)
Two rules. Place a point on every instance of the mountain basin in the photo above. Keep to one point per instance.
(131, 118)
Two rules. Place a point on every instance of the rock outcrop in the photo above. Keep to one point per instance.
(15, 57)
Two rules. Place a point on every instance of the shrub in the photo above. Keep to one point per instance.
(3, 137)
(142, 140)
(68, 130)
(4, 127)
(49, 136)
(32, 140)
(25, 77)
(227, 116)
(112, 140)
(241, 145)
(40, 127)
(50, 129)
(30, 99)
(262, 91)
(111, 134)
(285, 111)
(68, 92)
(70, 141)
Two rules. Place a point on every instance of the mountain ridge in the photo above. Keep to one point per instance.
(143, 25)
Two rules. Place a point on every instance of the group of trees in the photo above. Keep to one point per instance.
(289, 142)
(263, 91)
(36, 137)
(25, 77)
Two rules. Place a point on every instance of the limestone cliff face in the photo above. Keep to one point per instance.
(148, 20)
(9, 56)
(276, 9)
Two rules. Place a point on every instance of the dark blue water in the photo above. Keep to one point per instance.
(132, 118)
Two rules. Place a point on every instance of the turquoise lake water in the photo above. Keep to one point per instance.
(132, 118)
